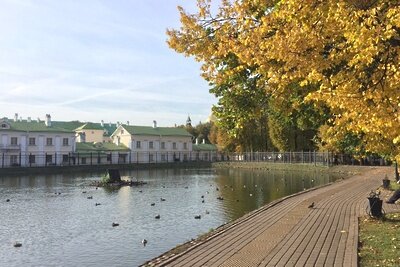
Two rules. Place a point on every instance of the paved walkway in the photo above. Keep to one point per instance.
(288, 233)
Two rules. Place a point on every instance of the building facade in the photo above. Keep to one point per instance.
(38, 143)
(34, 143)
(154, 144)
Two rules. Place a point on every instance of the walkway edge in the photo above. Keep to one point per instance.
(239, 221)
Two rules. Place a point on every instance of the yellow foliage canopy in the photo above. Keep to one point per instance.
(348, 50)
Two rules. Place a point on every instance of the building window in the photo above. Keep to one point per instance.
(32, 159)
(3, 125)
(122, 158)
(173, 145)
(65, 141)
(138, 144)
(122, 131)
(32, 141)
(49, 141)
(14, 141)
(185, 157)
(83, 160)
(151, 157)
(65, 158)
(151, 145)
(14, 160)
(185, 145)
(162, 145)
(49, 158)
(163, 158)
(108, 157)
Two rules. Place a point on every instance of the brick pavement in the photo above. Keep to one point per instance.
(288, 233)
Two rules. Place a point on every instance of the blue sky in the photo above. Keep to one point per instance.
(97, 60)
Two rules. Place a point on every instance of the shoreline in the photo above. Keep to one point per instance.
(100, 168)
(347, 171)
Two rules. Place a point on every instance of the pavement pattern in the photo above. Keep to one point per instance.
(288, 232)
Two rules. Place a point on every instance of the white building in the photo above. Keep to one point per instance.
(34, 143)
(154, 144)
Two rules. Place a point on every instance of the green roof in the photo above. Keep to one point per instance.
(33, 126)
(204, 147)
(99, 147)
(90, 126)
(110, 128)
(68, 125)
(159, 131)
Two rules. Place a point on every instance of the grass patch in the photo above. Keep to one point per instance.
(379, 241)
(394, 185)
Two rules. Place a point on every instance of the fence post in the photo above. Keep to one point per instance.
(327, 159)
(315, 158)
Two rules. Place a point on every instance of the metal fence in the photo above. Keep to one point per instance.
(304, 157)
(16, 160)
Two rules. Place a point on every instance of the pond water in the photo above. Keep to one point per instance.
(56, 218)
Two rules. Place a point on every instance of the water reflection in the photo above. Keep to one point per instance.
(58, 222)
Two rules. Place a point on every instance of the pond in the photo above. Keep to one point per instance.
(58, 222)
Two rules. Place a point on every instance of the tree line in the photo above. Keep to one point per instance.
(299, 75)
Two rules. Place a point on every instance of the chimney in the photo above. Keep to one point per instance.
(38, 119)
(118, 124)
(204, 141)
(102, 123)
(20, 118)
(197, 141)
(48, 120)
(154, 124)
(127, 123)
(16, 117)
(29, 119)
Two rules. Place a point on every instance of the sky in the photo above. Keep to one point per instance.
(98, 60)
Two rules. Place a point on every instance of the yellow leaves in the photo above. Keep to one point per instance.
(341, 48)
(396, 140)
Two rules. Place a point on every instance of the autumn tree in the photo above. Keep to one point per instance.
(346, 50)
